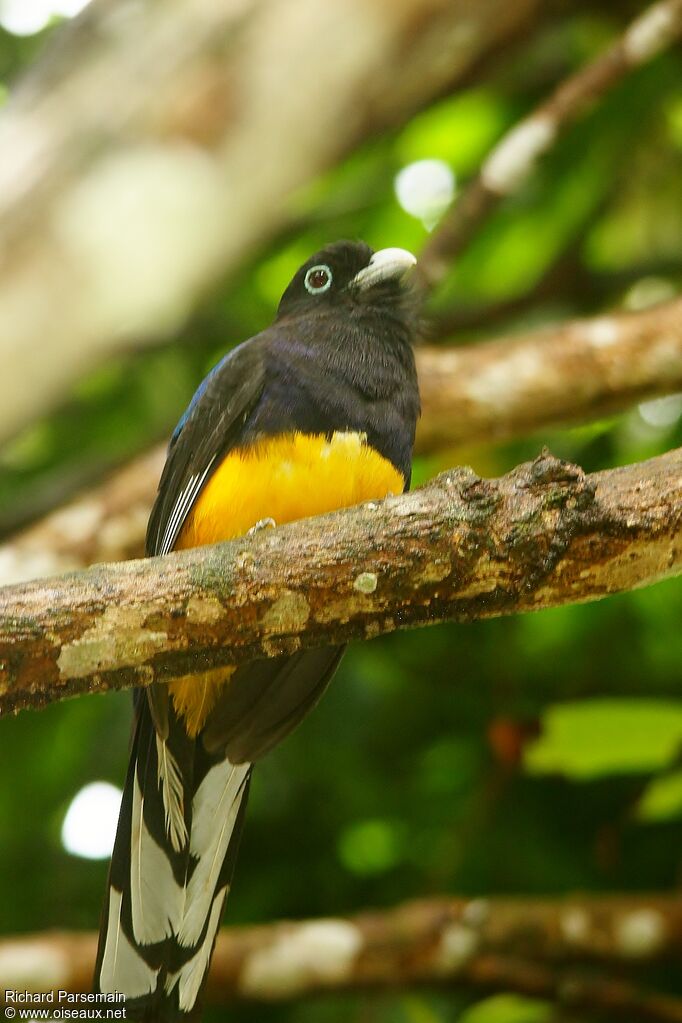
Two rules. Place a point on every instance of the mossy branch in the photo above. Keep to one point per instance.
(461, 548)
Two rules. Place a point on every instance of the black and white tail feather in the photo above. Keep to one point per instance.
(179, 829)
(184, 800)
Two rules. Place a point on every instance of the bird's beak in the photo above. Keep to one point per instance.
(385, 265)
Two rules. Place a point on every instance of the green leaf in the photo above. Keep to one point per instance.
(601, 737)
(507, 1009)
(371, 847)
(661, 799)
(418, 1010)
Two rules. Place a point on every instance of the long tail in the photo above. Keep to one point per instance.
(178, 833)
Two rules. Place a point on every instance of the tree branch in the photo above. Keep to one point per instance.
(556, 948)
(544, 535)
(513, 158)
(484, 392)
(582, 369)
(157, 144)
(108, 523)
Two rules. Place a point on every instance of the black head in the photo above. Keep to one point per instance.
(340, 352)
(351, 275)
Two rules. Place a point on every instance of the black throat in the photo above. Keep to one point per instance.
(356, 373)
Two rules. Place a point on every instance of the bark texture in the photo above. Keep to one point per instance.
(461, 548)
(535, 946)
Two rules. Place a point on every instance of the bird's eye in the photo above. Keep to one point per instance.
(318, 279)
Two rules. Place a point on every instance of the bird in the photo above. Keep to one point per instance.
(315, 413)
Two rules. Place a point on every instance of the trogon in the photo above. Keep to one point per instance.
(315, 413)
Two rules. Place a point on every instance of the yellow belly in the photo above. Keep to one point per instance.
(287, 478)
(282, 478)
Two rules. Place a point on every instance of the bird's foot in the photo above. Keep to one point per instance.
(261, 525)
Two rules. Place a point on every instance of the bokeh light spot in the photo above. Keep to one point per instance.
(425, 189)
(662, 413)
(89, 826)
(26, 17)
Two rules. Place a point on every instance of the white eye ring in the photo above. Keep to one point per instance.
(321, 267)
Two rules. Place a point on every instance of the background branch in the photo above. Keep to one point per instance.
(461, 548)
(108, 523)
(574, 371)
(565, 949)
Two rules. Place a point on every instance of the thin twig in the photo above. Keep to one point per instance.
(513, 158)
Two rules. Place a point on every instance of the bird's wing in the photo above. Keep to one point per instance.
(171, 866)
(210, 427)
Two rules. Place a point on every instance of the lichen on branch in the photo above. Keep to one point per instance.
(460, 548)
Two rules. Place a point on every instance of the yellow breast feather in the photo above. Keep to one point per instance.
(284, 478)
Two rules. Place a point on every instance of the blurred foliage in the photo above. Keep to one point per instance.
(507, 1009)
(527, 755)
(662, 798)
(601, 737)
